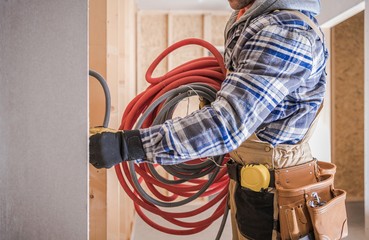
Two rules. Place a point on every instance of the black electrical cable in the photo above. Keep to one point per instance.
(224, 219)
(171, 100)
(105, 87)
(183, 171)
(177, 95)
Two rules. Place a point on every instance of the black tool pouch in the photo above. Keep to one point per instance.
(254, 213)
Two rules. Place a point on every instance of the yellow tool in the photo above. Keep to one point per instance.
(255, 177)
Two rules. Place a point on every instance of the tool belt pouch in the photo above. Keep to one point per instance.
(254, 213)
(301, 213)
(254, 210)
(330, 220)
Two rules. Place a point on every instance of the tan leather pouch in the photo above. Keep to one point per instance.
(297, 222)
(296, 176)
(299, 212)
(301, 175)
(326, 168)
(330, 220)
(294, 217)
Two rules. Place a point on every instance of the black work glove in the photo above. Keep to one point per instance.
(109, 147)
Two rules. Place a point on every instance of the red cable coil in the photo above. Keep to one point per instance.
(205, 70)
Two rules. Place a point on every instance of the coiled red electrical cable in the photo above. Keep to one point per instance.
(206, 70)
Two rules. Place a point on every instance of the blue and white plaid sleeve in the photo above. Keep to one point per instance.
(263, 90)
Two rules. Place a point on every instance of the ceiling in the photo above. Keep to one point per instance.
(183, 5)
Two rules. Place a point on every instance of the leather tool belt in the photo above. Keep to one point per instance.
(308, 205)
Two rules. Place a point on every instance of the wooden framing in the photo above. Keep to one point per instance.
(97, 59)
(112, 53)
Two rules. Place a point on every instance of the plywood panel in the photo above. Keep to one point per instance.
(348, 109)
(366, 120)
(218, 23)
(152, 39)
(182, 26)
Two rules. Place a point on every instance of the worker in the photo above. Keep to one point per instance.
(276, 59)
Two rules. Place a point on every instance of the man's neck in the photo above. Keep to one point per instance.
(243, 10)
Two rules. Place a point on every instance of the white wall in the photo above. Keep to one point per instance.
(336, 11)
(320, 142)
(43, 120)
(219, 5)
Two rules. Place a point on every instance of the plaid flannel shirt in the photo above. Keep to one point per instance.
(276, 86)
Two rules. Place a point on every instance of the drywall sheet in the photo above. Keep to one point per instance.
(348, 105)
(43, 121)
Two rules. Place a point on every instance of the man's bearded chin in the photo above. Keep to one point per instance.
(239, 4)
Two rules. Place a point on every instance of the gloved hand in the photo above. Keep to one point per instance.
(109, 147)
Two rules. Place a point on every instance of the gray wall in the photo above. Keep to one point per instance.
(43, 119)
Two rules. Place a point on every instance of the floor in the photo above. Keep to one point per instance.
(355, 218)
(142, 231)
